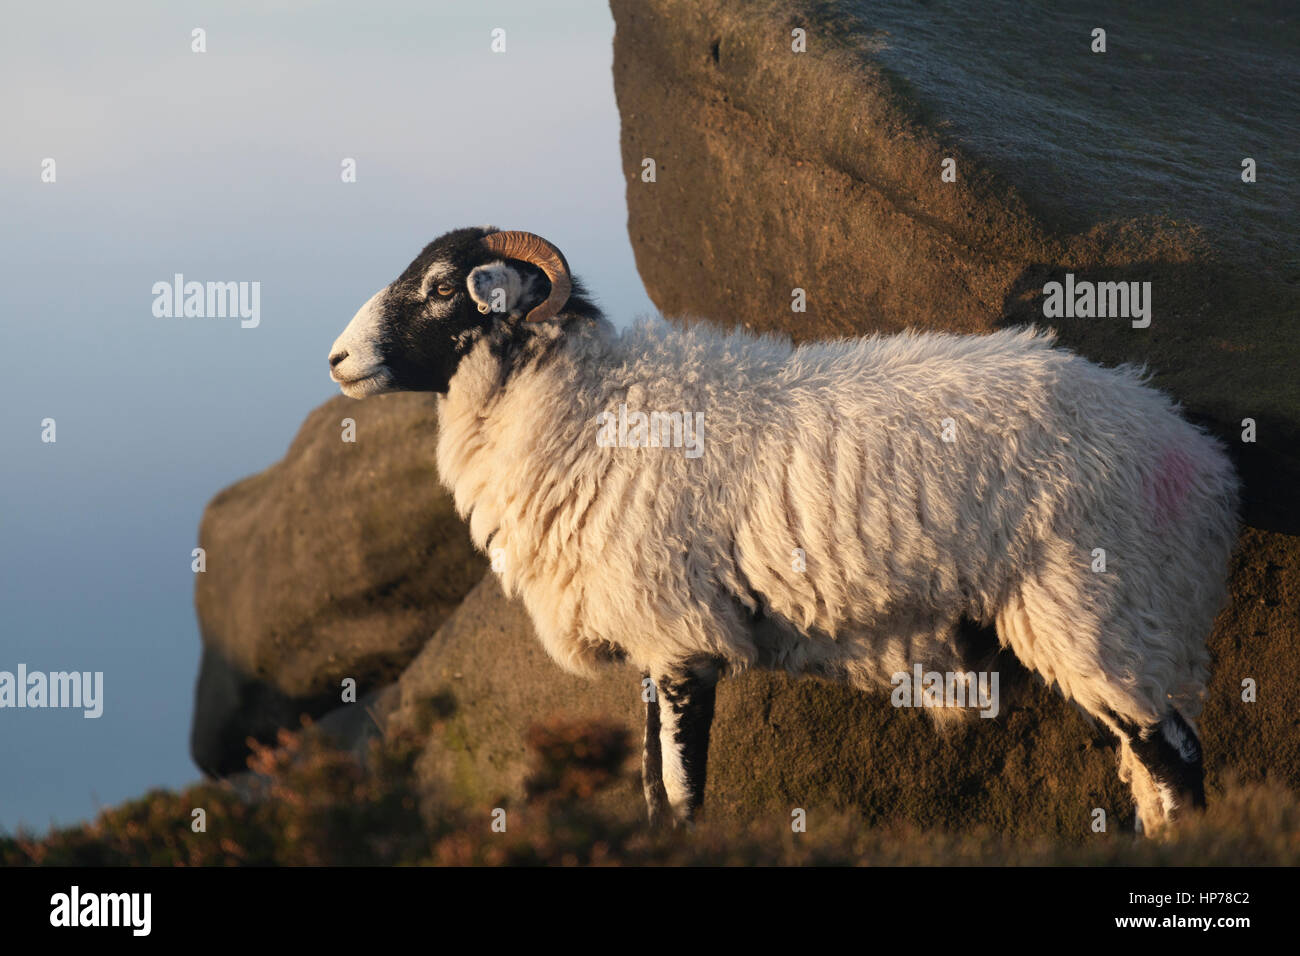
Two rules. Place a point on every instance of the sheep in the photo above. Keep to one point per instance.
(850, 507)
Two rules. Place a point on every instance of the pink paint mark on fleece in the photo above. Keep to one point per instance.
(1167, 489)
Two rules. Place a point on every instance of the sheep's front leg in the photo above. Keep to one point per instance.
(652, 774)
(678, 719)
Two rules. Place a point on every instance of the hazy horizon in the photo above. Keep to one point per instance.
(226, 166)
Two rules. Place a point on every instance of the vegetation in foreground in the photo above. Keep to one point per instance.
(310, 804)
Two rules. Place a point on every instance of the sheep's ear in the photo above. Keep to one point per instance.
(497, 288)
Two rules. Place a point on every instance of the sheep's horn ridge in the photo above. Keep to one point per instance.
(527, 247)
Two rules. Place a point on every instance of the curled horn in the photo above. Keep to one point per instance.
(527, 247)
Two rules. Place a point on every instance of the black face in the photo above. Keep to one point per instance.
(413, 333)
(433, 317)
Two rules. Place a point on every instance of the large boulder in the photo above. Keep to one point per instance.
(336, 562)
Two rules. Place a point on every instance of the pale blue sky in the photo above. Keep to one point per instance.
(225, 166)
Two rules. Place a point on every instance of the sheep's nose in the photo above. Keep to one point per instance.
(338, 357)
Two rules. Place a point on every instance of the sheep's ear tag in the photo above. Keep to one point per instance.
(494, 286)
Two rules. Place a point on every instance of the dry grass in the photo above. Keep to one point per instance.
(311, 805)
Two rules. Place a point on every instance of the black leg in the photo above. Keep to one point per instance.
(1170, 753)
(1173, 754)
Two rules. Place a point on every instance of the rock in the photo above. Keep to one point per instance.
(338, 561)
(230, 706)
(485, 673)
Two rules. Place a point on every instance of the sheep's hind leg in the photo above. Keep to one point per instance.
(1164, 767)
(683, 712)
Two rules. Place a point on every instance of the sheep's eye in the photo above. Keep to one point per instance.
(445, 288)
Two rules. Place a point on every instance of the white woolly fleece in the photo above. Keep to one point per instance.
(837, 449)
